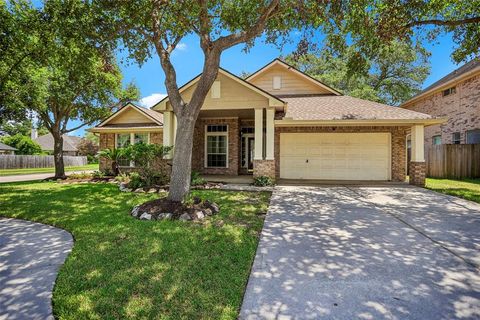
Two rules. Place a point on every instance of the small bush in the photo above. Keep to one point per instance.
(136, 181)
(92, 159)
(80, 175)
(122, 177)
(263, 181)
(98, 174)
(196, 179)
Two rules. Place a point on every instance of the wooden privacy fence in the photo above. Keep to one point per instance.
(26, 161)
(453, 161)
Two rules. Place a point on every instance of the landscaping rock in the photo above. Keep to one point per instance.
(139, 190)
(152, 190)
(185, 217)
(135, 211)
(165, 216)
(208, 212)
(162, 190)
(199, 215)
(146, 216)
(212, 206)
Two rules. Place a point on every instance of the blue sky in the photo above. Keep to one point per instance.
(188, 58)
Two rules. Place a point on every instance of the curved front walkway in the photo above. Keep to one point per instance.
(30, 256)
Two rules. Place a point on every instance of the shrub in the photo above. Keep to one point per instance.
(136, 181)
(149, 163)
(98, 174)
(80, 175)
(263, 181)
(122, 177)
(23, 144)
(196, 179)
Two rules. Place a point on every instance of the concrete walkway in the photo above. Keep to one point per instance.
(30, 257)
(35, 176)
(346, 252)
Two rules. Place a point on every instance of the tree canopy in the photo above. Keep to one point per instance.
(392, 76)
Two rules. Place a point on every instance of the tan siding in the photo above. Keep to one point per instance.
(292, 83)
(233, 95)
(130, 116)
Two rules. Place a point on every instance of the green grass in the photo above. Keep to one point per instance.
(123, 268)
(467, 189)
(12, 172)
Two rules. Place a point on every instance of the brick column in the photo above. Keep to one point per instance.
(417, 173)
(264, 168)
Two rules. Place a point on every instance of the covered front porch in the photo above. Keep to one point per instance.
(230, 142)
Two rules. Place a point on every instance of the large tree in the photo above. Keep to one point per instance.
(394, 74)
(148, 26)
(76, 78)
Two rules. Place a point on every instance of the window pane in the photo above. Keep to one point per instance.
(217, 128)
(436, 140)
(216, 151)
(123, 140)
(140, 138)
(456, 137)
(473, 136)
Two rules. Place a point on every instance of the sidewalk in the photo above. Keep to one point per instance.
(36, 176)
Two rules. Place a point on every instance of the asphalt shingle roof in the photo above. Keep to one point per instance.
(344, 108)
(69, 142)
(4, 146)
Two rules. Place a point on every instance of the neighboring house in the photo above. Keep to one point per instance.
(6, 149)
(281, 123)
(70, 144)
(456, 96)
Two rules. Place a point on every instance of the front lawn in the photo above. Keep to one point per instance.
(123, 268)
(468, 189)
(12, 172)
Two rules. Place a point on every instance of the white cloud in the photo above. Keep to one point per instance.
(181, 46)
(150, 100)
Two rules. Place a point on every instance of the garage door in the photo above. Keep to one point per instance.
(335, 156)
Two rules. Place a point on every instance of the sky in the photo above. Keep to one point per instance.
(188, 58)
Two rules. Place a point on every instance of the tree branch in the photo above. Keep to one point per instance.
(438, 22)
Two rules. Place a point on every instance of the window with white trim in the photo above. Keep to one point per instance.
(123, 140)
(216, 146)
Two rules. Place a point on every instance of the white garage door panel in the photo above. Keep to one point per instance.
(335, 156)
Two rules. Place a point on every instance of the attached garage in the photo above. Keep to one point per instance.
(335, 156)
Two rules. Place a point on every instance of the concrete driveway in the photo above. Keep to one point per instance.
(347, 252)
(30, 256)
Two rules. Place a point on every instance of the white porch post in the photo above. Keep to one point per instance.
(270, 134)
(168, 124)
(258, 134)
(417, 136)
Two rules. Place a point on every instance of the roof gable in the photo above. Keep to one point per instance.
(293, 80)
(233, 89)
(132, 114)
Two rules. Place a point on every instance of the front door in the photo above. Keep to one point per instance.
(248, 146)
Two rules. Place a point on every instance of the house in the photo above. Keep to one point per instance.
(6, 149)
(279, 122)
(458, 96)
(70, 144)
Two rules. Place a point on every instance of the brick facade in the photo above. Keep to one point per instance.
(461, 108)
(264, 168)
(198, 155)
(106, 141)
(417, 172)
(398, 144)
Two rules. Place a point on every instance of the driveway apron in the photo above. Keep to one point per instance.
(30, 257)
(345, 252)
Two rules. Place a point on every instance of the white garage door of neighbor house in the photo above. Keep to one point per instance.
(335, 156)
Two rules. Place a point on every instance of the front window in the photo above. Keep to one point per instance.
(449, 91)
(140, 138)
(473, 136)
(456, 138)
(436, 140)
(216, 145)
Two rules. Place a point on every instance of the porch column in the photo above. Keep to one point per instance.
(258, 134)
(168, 124)
(417, 165)
(270, 134)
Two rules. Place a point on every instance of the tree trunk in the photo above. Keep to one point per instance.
(58, 156)
(182, 159)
